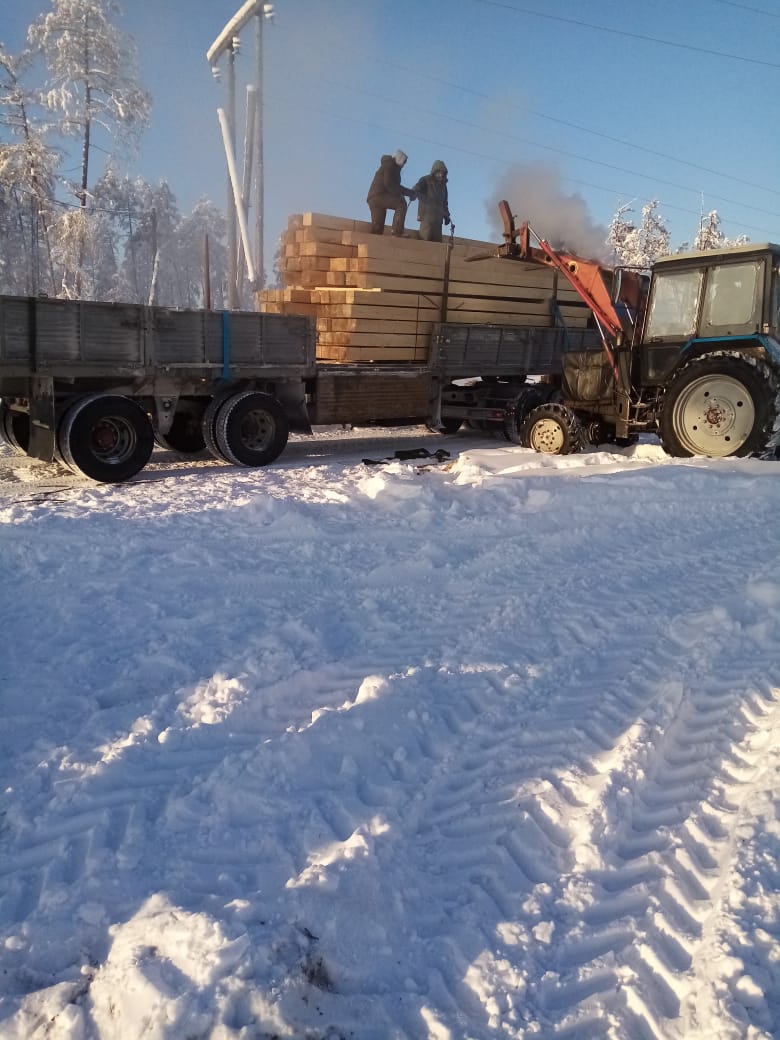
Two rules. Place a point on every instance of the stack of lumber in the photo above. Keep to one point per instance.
(377, 297)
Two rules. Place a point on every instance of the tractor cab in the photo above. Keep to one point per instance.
(706, 301)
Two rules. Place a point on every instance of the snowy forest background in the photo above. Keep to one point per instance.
(74, 224)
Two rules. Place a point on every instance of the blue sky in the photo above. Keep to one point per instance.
(568, 110)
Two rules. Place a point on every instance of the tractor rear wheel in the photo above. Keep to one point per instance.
(718, 406)
(552, 429)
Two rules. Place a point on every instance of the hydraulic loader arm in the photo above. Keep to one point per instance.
(588, 278)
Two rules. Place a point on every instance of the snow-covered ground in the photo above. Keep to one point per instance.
(482, 749)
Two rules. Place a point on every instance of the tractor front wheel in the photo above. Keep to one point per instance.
(552, 429)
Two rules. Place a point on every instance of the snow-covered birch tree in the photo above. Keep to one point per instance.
(710, 235)
(638, 246)
(27, 177)
(205, 221)
(92, 85)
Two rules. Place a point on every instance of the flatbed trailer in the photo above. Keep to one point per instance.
(94, 385)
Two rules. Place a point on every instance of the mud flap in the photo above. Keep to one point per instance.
(43, 423)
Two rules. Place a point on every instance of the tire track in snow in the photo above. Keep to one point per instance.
(643, 909)
(506, 858)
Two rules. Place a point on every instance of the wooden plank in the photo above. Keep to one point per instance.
(325, 220)
(381, 326)
(388, 282)
(294, 263)
(314, 234)
(318, 249)
(350, 311)
(402, 250)
(500, 272)
(376, 340)
(373, 266)
(285, 295)
(358, 355)
(330, 294)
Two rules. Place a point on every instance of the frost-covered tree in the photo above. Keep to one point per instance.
(152, 244)
(91, 85)
(92, 80)
(640, 246)
(205, 221)
(122, 201)
(27, 177)
(710, 235)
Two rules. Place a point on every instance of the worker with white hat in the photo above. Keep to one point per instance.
(387, 192)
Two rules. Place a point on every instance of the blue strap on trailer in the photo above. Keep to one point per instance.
(226, 344)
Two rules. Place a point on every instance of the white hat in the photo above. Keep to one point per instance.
(400, 157)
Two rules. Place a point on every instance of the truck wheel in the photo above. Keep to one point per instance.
(14, 429)
(185, 434)
(552, 429)
(251, 429)
(718, 406)
(450, 425)
(106, 437)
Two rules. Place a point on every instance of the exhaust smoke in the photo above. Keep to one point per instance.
(535, 193)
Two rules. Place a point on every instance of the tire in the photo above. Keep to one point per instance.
(14, 429)
(718, 406)
(552, 429)
(208, 425)
(529, 399)
(450, 425)
(106, 437)
(251, 429)
(185, 435)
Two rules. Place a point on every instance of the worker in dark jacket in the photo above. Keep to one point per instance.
(387, 192)
(433, 208)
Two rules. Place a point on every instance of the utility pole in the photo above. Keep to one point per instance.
(259, 217)
(232, 286)
(228, 42)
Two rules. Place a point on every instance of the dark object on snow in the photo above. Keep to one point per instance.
(410, 453)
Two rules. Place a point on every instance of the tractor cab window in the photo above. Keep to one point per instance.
(776, 301)
(732, 301)
(674, 304)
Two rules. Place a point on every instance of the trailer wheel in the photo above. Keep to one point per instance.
(718, 406)
(106, 437)
(208, 425)
(185, 434)
(552, 429)
(450, 425)
(251, 429)
(14, 429)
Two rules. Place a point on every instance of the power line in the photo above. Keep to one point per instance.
(503, 161)
(574, 126)
(595, 133)
(629, 35)
(746, 7)
(562, 151)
